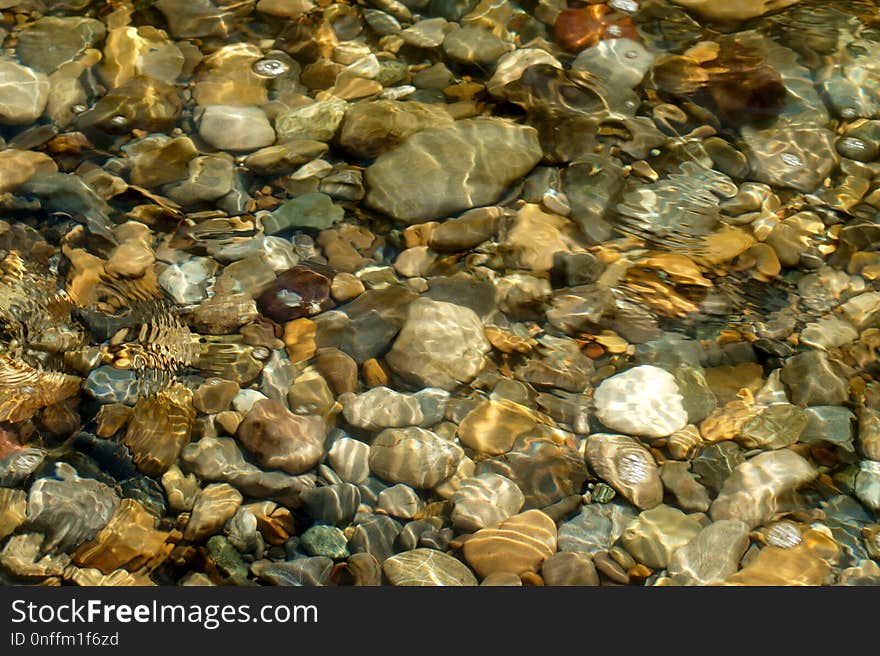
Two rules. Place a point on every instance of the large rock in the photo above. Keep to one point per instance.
(23, 93)
(427, 567)
(711, 556)
(440, 345)
(372, 128)
(235, 128)
(626, 466)
(281, 439)
(641, 401)
(19, 166)
(519, 545)
(465, 165)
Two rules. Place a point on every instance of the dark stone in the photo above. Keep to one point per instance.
(333, 504)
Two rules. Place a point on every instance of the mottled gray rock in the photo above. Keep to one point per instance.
(596, 528)
(382, 407)
(657, 533)
(350, 459)
(51, 41)
(440, 345)
(110, 385)
(465, 165)
(316, 211)
(326, 541)
(828, 423)
(332, 504)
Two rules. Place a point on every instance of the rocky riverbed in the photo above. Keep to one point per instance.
(439, 292)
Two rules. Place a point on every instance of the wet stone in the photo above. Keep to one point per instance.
(484, 501)
(644, 401)
(327, 541)
(216, 504)
(382, 407)
(474, 45)
(688, 492)
(469, 164)
(317, 121)
(414, 456)
(333, 504)
(427, 567)
(25, 93)
(812, 379)
(52, 41)
(520, 544)
(569, 568)
(111, 385)
(400, 501)
(627, 466)
(316, 211)
(712, 555)
(867, 484)
(832, 424)
(301, 572)
(657, 534)
(235, 128)
(281, 439)
(778, 426)
(350, 459)
(376, 537)
(714, 464)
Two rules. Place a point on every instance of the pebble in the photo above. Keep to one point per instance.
(642, 401)
(382, 407)
(465, 165)
(755, 490)
(485, 501)
(327, 541)
(235, 128)
(440, 345)
(494, 426)
(712, 555)
(111, 385)
(316, 211)
(627, 466)
(216, 504)
(375, 536)
(350, 459)
(777, 426)
(427, 567)
(569, 568)
(828, 423)
(400, 501)
(474, 45)
(24, 93)
(67, 509)
(657, 534)
(812, 379)
(414, 456)
(867, 484)
(317, 121)
(332, 504)
(301, 572)
(520, 544)
(282, 440)
(688, 492)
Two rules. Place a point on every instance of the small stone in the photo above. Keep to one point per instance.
(811, 379)
(350, 459)
(485, 501)
(332, 504)
(626, 466)
(24, 93)
(235, 128)
(828, 423)
(345, 287)
(299, 339)
(316, 211)
(285, 157)
(657, 534)
(317, 121)
(180, 490)
(712, 555)
(569, 568)
(520, 544)
(493, 426)
(456, 340)
(301, 572)
(643, 401)
(596, 528)
(110, 385)
(326, 541)
(426, 33)
(474, 45)
(281, 439)
(427, 567)
(375, 536)
(754, 492)
(216, 504)
(214, 395)
(382, 407)
(867, 484)
(400, 501)
(414, 456)
(778, 426)
(689, 494)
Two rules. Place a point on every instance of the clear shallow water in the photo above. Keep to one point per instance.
(439, 293)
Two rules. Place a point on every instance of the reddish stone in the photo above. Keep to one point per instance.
(8, 442)
(576, 29)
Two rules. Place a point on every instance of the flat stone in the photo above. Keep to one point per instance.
(493, 426)
(317, 121)
(326, 541)
(332, 504)
(712, 555)
(643, 401)
(19, 166)
(485, 501)
(813, 379)
(316, 211)
(756, 490)
(465, 165)
(569, 568)
(382, 407)
(520, 544)
(24, 93)
(595, 528)
(828, 423)
(400, 501)
(427, 567)
(372, 128)
(777, 426)
(350, 459)
(626, 466)
(414, 456)
(217, 503)
(281, 439)
(440, 345)
(235, 128)
(657, 534)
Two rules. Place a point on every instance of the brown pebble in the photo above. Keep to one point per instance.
(228, 420)
(345, 287)
(375, 373)
(111, 418)
(607, 566)
(299, 338)
(338, 368)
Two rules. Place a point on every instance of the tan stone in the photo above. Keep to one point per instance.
(521, 544)
(19, 166)
(493, 426)
(299, 339)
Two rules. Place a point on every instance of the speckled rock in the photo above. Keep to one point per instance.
(440, 345)
(326, 541)
(642, 401)
(427, 567)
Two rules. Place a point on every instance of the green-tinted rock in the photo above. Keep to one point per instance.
(52, 41)
(227, 560)
(315, 211)
(698, 399)
(777, 426)
(327, 541)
